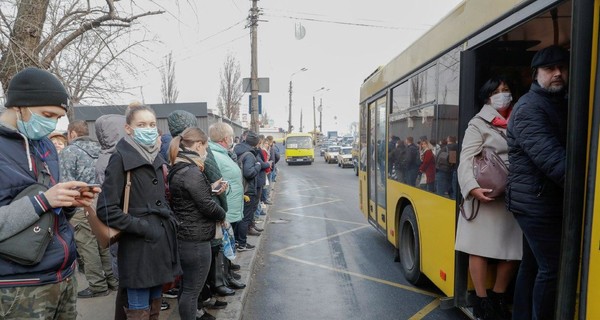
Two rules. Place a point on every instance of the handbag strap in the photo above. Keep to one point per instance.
(494, 128)
(474, 211)
(126, 193)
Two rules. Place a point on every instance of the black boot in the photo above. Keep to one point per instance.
(499, 304)
(220, 285)
(229, 280)
(483, 309)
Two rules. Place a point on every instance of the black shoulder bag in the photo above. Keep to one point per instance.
(29, 245)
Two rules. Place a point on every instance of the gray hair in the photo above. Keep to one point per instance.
(219, 131)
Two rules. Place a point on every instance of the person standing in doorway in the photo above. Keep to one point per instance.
(537, 135)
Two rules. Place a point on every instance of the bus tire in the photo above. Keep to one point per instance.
(409, 247)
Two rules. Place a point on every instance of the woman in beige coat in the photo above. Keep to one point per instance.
(494, 233)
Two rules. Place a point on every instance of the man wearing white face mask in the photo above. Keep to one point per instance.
(35, 100)
(494, 232)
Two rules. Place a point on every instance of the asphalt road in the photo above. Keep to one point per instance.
(320, 259)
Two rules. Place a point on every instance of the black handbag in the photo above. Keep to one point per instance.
(29, 245)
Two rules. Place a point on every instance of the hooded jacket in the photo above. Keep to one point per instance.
(250, 166)
(78, 160)
(110, 129)
(233, 174)
(18, 171)
(537, 134)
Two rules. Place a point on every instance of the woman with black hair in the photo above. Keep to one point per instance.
(494, 233)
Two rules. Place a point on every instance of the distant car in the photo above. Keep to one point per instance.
(344, 158)
(324, 146)
(331, 154)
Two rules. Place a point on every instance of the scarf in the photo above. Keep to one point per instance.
(147, 152)
(190, 157)
(502, 121)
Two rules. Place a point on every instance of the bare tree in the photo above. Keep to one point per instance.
(40, 32)
(168, 86)
(230, 92)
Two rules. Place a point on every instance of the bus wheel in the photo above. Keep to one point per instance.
(409, 248)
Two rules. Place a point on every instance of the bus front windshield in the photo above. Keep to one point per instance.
(298, 143)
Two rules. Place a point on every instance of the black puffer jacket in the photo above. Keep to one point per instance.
(250, 166)
(192, 202)
(537, 132)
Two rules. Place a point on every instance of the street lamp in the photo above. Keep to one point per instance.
(290, 111)
(320, 111)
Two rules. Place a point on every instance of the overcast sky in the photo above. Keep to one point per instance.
(346, 40)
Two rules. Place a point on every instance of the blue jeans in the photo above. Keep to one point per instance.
(195, 259)
(535, 290)
(443, 179)
(274, 174)
(139, 299)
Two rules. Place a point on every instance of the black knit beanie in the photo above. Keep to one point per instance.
(32, 87)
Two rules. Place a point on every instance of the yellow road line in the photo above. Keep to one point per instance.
(358, 275)
(318, 240)
(426, 310)
(322, 218)
(312, 205)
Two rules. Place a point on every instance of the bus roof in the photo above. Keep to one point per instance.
(466, 19)
(299, 134)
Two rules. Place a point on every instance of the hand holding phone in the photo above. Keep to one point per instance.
(88, 188)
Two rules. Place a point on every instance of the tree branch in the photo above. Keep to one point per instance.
(86, 26)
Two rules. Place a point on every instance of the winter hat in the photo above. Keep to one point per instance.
(32, 87)
(252, 139)
(180, 120)
(549, 56)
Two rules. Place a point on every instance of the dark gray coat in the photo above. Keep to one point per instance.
(537, 133)
(148, 253)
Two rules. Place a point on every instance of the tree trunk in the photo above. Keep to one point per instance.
(25, 38)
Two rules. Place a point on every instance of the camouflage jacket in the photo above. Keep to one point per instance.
(78, 160)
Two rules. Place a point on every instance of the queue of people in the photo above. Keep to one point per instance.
(168, 210)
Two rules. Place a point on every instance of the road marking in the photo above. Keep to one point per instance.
(426, 310)
(318, 240)
(309, 196)
(312, 205)
(362, 276)
(322, 218)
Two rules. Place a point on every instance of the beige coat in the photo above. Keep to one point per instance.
(494, 233)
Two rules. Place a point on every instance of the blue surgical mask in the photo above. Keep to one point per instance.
(145, 136)
(37, 127)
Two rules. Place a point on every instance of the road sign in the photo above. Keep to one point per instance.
(263, 85)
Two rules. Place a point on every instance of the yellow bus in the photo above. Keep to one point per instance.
(299, 148)
(430, 89)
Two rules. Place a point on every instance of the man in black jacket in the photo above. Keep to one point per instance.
(537, 132)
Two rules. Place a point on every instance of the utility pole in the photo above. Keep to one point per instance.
(300, 119)
(321, 115)
(290, 111)
(314, 119)
(253, 17)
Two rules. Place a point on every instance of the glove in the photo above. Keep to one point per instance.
(246, 198)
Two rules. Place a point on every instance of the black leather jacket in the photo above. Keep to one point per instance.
(192, 203)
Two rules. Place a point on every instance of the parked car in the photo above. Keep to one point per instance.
(331, 154)
(344, 157)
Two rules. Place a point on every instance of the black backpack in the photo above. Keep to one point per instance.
(240, 162)
(442, 160)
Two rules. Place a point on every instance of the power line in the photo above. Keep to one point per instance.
(356, 24)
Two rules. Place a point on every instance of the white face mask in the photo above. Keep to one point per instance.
(501, 101)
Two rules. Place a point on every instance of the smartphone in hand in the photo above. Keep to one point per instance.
(88, 188)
